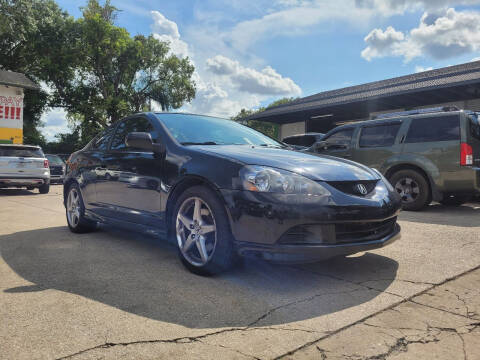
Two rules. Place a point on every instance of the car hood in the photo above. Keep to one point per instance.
(313, 166)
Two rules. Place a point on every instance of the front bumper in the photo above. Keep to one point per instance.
(311, 253)
(56, 179)
(303, 228)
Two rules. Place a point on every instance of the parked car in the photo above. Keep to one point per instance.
(225, 189)
(24, 166)
(431, 154)
(303, 141)
(64, 157)
(57, 168)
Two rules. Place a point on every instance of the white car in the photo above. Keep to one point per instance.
(24, 166)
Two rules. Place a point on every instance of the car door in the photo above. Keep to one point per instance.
(338, 143)
(377, 143)
(435, 140)
(130, 189)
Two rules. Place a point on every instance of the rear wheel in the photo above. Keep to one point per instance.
(413, 189)
(203, 235)
(75, 211)
(44, 189)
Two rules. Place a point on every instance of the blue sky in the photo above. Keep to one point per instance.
(248, 53)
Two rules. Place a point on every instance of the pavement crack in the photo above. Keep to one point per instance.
(292, 303)
(391, 307)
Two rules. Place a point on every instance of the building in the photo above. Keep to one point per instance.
(12, 85)
(450, 86)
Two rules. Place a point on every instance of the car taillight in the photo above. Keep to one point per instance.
(45, 163)
(466, 154)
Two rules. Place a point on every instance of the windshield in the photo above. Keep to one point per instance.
(21, 151)
(54, 160)
(205, 130)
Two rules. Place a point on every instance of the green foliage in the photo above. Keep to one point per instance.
(95, 69)
(264, 127)
(35, 40)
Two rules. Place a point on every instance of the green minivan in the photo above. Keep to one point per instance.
(429, 154)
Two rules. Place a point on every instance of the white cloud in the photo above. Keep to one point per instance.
(55, 121)
(381, 42)
(167, 31)
(264, 82)
(420, 68)
(224, 86)
(439, 35)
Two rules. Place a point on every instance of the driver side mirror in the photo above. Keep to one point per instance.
(319, 146)
(143, 141)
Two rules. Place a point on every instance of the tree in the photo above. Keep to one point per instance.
(264, 127)
(36, 39)
(118, 74)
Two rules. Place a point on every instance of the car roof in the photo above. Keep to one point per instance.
(21, 145)
(397, 118)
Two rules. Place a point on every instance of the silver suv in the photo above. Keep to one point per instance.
(24, 166)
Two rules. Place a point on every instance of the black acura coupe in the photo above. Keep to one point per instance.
(219, 189)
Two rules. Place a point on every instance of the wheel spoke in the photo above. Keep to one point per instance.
(202, 249)
(196, 211)
(208, 229)
(188, 243)
(185, 220)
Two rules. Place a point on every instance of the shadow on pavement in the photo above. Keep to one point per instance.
(16, 192)
(142, 275)
(464, 216)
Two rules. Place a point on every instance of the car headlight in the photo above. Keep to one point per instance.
(384, 180)
(272, 180)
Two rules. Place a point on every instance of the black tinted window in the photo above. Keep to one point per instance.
(101, 143)
(475, 126)
(340, 138)
(444, 128)
(19, 151)
(128, 126)
(377, 136)
(307, 140)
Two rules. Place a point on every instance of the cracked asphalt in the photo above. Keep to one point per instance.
(113, 294)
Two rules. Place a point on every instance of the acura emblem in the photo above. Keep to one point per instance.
(361, 189)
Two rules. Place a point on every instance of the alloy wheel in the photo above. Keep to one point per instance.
(196, 231)
(408, 189)
(73, 208)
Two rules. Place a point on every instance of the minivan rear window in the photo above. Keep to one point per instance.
(20, 151)
(378, 136)
(429, 129)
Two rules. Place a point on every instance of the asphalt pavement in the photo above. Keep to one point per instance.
(115, 294)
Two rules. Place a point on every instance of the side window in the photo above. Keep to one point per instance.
(340, 139)
(128, 126)
(378, 136)
(444, 128)
(291, 141)
(101, 143)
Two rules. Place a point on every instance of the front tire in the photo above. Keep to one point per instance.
(200, 226)
(75, 211)
(413, 189)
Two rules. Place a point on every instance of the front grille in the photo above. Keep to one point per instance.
(340, 233)
(351, 187)
(364, 231)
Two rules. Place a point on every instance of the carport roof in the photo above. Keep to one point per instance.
(10, 78)
(453, 83)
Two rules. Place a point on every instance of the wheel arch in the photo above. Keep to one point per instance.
(184, 184)
(406, 166)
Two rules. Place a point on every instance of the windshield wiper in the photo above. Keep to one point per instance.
(200, 143)
(272, 146)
